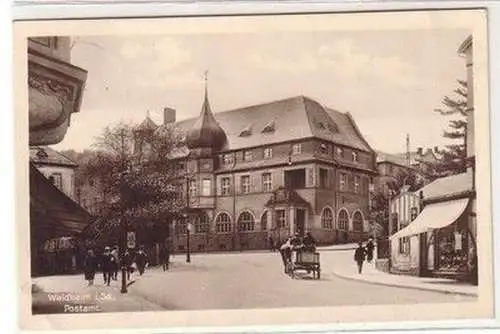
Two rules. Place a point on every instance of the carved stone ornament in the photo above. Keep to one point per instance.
(51, 87)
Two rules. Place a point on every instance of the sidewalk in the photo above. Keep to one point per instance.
(347, 269)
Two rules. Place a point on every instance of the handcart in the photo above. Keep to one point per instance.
(307, 261)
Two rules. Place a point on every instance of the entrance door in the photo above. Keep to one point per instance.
(300, 221)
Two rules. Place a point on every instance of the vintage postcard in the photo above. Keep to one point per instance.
(253, 170)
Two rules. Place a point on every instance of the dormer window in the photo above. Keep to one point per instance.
(355, 157)
(247, 156)
(269, 127)
(246, 132)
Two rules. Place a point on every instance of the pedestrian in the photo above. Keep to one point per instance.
(115, 263)
(89, 267)
(107, 265)
(359, 256)
(309, 242)
(126, 262)
(369, 250)
(271, 244)
(141, 259)
(286, 254)
(165, 257)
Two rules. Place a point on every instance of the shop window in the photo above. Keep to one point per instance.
(246, 222)
(327, 218)
(223, 223)
(404, 245)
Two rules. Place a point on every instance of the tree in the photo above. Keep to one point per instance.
(453, 158)
(137, 179)
(380, 200)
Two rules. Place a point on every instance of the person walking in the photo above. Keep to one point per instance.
(369, 250)
(115, 263)
(89, 267)
(107, 265)
(165, 257)
(126, 261)
(271, 244)
(286, 253)
(309, 242)
(359, 256)
(141, 260)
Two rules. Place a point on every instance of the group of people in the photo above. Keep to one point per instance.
(294, 243)
(110, 263)
(363, 253)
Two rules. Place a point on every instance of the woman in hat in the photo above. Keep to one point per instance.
(89, 266)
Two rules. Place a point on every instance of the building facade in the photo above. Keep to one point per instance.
(55, 91)
(266, 171)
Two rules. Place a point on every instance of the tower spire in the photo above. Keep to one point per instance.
(206, 84)
(408, 149)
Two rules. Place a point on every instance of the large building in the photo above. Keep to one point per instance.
(269, 170)
(55, 90)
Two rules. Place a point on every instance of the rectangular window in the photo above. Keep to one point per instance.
(356, 184)
(267, 183)
(296, 149)
(323, 149)
(192, 188)
(323, 178)
(245, 184)
(225, 186)
(339, 152)
(56, 180)
(206, 187)
(227, 159)
(355, 157)
(343, 181)
(268, 153)
(404, 245)
(281, 218)
(247, 156)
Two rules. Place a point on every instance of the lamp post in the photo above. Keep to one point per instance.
(188, 253)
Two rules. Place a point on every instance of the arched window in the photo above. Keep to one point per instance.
(327, 218)
(201, 224)
(246, 222)
(343, 220)
(357, 222)
(263, 221)
(181, 227)
(223, 223)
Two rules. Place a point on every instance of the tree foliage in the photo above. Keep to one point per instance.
(453, 158)
(134, 174)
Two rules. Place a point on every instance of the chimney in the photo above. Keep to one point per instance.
(419, 151)
(436, 149)
(168, 115)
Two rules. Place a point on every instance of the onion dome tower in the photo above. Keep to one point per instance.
(206, 134)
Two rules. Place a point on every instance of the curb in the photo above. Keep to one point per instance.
(447, 292)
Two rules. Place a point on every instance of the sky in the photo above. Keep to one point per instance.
(390, 81)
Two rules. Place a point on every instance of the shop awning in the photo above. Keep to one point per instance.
(434, 216)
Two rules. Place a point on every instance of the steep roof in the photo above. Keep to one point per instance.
(147, 124)
(285, 120)
(449, 185)
(44, 155)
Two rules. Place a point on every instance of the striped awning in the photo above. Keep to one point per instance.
(434, 216)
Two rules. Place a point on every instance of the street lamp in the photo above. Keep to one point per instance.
(188, 253)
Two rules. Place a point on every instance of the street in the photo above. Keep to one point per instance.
(243, 280)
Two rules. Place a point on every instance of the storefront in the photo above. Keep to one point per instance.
(439, 242)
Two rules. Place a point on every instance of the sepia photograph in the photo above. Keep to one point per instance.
(255, 163)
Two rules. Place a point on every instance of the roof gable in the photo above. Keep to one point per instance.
(45, 155)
